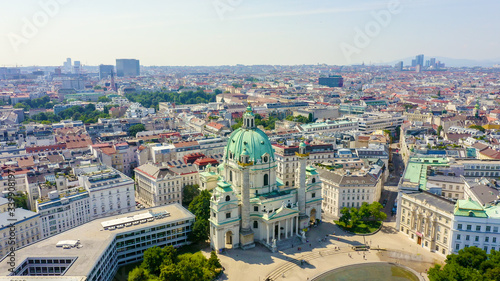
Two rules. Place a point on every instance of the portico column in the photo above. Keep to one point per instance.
(297, 224)
(286, 228)
(267, 232)
(279, 230)
(273, 229)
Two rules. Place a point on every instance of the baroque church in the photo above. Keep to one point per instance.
(250, 204)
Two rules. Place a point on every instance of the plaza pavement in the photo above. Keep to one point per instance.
(258, 263)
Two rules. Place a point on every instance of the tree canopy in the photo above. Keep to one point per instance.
(189, 192)
(362, 219)
(268, 124)
(133, 130)
(87, 114)
(200, 207)
(470, 263)
(152, 99)
(43, 102)
(300, 118)
(477, 127)
(166, 264)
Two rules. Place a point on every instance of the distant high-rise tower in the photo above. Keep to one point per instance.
(399, 66)
(67, 65)
(331, 81)
(413, 63)
(105, 71)
(433, 62)
(419, 60)
(77, 67)
(127, 67)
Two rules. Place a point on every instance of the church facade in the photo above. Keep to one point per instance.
(250, 204)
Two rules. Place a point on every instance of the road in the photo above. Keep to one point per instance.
(389, 193)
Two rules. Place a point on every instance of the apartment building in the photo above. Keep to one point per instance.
(349, 188)
(158, 185)
(60, 211)
(287, 161)
(451, 187)
(25, 226)
(110, 191)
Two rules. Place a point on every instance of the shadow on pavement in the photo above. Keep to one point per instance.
(388, 229)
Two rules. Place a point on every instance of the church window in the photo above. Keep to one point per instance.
(228, 198)
(313, 180)
(256, 208)
(266, 179)
(214, 214)
(230, 176)
(313, 195)
(228, 215)
(255, 224)
(264, 159)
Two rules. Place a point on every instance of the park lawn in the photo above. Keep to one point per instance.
(363, 227)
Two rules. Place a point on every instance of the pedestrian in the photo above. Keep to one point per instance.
(310, 245)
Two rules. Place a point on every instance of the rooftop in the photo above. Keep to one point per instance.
(93, 238)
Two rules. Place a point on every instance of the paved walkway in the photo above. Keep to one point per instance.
(320, 256)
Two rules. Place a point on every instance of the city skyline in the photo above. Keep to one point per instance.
(242, 32)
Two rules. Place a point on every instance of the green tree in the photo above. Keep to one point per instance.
(153, 259)
(200, 207)
(138, 274)
(189, 192)
(345, 216)
(376, 211)
(477, 127)
(194, 267)
(470, 263)
(133, 130)
(439, 130)
(103, 99)
(21, 105)
(21, 201)
(213, 261)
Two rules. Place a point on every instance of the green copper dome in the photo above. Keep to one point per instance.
(250, 141)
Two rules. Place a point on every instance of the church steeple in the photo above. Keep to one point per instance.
(476, 109)
(249, 119)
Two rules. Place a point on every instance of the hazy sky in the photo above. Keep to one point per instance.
(219, 32)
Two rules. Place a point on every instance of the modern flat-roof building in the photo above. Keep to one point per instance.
(127, 68)
(105, 71)
(96, 249)
(329, 126)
